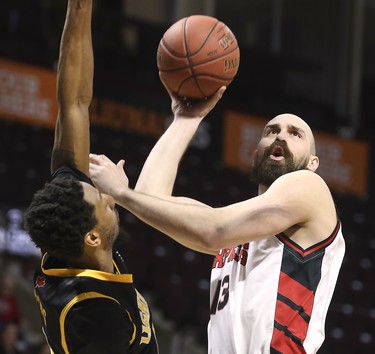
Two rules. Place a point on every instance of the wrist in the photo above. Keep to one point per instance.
(120, 193)
(187, 121)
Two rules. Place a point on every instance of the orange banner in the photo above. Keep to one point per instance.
(343, 162)
(27, 93)
(127, 117)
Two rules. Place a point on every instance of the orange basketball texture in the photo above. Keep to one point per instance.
(197, 55)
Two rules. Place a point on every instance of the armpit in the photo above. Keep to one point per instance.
(62, 157)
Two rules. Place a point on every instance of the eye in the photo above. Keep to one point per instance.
(272, 132)
(296, 133)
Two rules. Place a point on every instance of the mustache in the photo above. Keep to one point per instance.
(278, 143)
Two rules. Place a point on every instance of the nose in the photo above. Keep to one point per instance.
(281, 135)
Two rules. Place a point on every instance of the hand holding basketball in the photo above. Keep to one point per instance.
(196, 56)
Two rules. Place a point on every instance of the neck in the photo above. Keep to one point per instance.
(261, 189)
(99, 260)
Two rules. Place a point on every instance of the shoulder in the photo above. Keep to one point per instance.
(303, 180)
(65, 171)
(302, 175)
(301, 190)
(309, 199)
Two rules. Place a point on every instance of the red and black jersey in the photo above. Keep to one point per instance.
(271, 296)
(86, 311)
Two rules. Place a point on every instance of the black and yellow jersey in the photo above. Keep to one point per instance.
(86, 311)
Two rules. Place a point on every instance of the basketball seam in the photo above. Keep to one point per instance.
(204, 42)
(210, 76)
(170, 50)
(188, 55)
(200, 63)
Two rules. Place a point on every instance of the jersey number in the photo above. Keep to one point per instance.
(221, 295)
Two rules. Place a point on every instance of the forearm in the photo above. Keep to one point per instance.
(159, 172)
(76, 63)
(187, 223)
(160, 169)
(74, 88)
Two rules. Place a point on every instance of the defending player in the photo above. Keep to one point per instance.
(87, 298)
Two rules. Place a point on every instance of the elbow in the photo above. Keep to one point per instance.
(213, 239)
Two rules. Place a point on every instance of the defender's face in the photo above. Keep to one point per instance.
(105, 213)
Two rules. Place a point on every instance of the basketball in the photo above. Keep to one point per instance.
(197, 55)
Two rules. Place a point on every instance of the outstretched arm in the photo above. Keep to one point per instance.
(207, 229)
(160, 169)
(74, 89)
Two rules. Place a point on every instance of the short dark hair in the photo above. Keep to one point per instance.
(59, 217)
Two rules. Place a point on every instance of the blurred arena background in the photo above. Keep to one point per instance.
(314, 58)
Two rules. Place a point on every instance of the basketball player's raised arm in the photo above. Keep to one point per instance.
(74, 89)
(211, 42)
(159, 171)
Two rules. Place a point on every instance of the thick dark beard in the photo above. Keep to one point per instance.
(266, 171)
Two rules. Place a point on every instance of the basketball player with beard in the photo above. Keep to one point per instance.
(277, 255)
(87, 298)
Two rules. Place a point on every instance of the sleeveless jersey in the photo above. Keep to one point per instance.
(90, 311)
(271, 296)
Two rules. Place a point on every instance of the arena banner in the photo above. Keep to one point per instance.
(27, 93)
(127, 117)
(343, 162)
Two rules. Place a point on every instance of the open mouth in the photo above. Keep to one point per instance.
(277, 153)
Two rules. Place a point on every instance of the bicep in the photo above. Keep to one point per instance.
(286, 203)
(187, 201)
(98, 326)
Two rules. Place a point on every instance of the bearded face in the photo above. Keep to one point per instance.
(276, 161)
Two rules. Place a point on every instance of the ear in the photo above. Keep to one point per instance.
(313, 164)
(92, 239)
